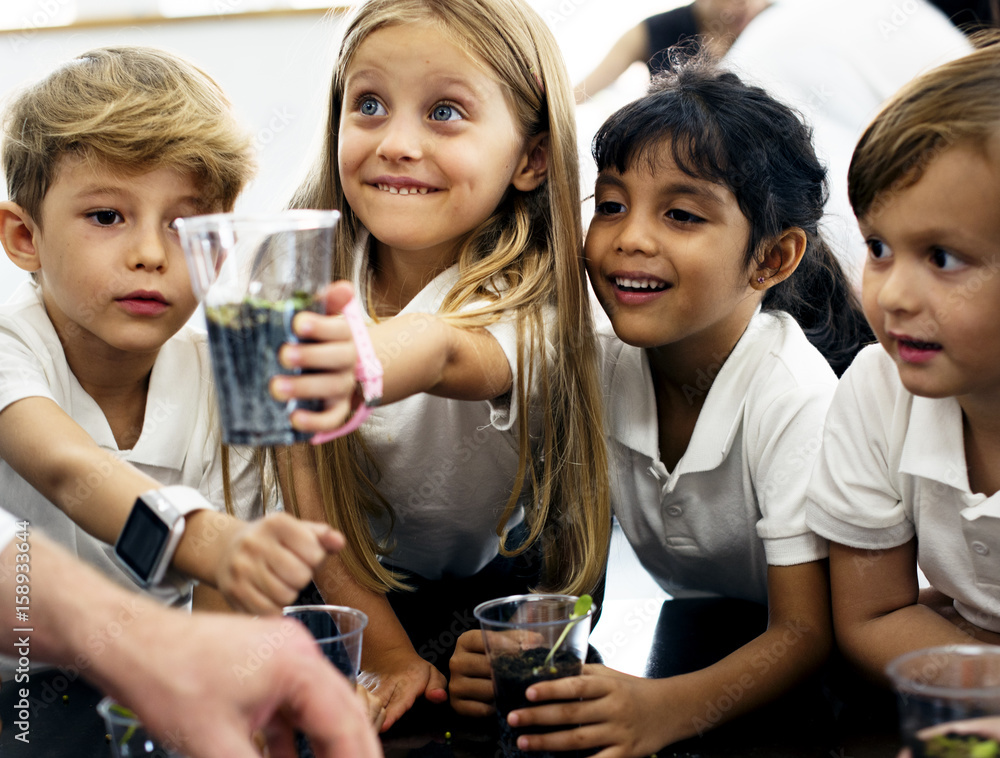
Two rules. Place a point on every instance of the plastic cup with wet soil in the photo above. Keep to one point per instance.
(254, 274)
(529, 639)
(940, 685)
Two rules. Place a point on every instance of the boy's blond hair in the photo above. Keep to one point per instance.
(956, 102)
(132, 109)
(525, 260)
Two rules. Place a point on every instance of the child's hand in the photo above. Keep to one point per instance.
(373, 705)
(471, 687)
(329, 355)
(619, 713)
(268, 561)
(398, 678)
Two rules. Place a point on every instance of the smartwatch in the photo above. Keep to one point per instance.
(367, 370)
(153, 530)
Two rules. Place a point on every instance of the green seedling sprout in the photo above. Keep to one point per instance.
(121, 710)
(580, 609)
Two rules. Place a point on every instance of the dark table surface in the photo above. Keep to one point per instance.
(832, 716)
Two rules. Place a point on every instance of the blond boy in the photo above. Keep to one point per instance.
(105, 393)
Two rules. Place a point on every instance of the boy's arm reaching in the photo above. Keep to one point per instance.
(177, 671)
(258, 566)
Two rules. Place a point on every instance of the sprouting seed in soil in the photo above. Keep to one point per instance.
(580, 609)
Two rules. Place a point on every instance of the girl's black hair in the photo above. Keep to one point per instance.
(728, 132)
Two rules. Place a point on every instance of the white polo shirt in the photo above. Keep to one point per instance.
(446, 466)
(893, 466)
(735, 501)
(8, 528)
(179, 443)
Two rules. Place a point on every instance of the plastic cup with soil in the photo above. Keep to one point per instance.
(338, 631)
(128, 737)
(940, 685)
(529, 639)
(254, 274)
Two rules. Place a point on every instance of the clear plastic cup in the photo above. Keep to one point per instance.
(519, 633)
(128, 737)
(254, 274)
(943, 684)
(338, 631)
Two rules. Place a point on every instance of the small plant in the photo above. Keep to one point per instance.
(127, 713)
(580, 609)
(961, 746)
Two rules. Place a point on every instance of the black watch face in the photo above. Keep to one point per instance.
(142, 540)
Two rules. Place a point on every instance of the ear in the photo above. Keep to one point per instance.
(780, 259)
(534, 164)
(17, 234)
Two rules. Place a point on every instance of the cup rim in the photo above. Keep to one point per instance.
(361, 616)
(302, 218)
(530, 597)
(909, 685)
(104, 708)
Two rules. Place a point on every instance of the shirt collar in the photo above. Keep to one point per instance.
(428, 300)
(634, 423)
(940, 455)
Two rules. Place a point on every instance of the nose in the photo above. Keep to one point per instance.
(401, 139)
(897, 287)
(635, 236)
(149, 249)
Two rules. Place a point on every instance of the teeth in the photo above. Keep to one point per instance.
(402, 190)
(640, 284)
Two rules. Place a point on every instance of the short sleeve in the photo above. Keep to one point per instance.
(788, 436)
(855, 494)
(504, 409)
(22, 374)
(8, 528)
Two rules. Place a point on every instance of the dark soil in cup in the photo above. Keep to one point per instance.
(244, 339)
(512, 675)
(953, 745)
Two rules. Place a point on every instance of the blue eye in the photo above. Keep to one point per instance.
(369, 106)
(877, 249)
(945, 261)
(444, 112)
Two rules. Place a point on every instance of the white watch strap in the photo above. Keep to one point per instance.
(185, 499)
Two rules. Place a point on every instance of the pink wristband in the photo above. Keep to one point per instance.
(368, 372)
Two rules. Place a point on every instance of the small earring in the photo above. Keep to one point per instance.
(760, 280)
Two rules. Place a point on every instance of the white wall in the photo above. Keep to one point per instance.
(276, 69)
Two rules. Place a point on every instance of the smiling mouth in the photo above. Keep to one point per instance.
(918, 345)
(393, 190)
(639, 285)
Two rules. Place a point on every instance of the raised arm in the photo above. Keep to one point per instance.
(419, 353)
(631, 47)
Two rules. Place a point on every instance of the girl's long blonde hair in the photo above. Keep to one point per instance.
(523, 260)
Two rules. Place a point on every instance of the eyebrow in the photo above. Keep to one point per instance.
(699, 190)
(444, 80)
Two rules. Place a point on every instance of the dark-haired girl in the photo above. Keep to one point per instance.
(728, 312)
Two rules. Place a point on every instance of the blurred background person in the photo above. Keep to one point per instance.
(713, 24)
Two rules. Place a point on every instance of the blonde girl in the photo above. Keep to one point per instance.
(451, 153)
